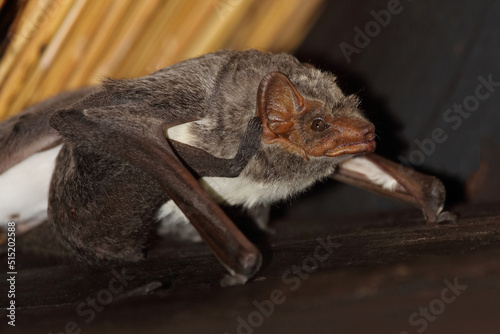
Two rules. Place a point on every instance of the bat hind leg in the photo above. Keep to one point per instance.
(97, 212)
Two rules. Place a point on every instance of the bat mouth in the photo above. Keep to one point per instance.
(366, 146)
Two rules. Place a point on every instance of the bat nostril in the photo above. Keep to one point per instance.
(369, 133)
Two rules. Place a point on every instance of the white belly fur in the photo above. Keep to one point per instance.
(233, 191)
(243, 191)
(24, 190)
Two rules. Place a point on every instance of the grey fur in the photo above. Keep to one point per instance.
(223, 87)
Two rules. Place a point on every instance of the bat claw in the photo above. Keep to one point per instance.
(234, 279)
(447, 217)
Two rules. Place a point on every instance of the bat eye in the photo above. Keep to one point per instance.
(318, 125)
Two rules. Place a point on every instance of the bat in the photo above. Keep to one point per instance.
(113, 164)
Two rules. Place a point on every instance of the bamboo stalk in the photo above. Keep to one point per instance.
(303, 15)
(188, 33)
(84, 72)
(22, 58)
(26, 29)
(74, 47)
(139, 53)
(63, 44)
(31, 91)
(132, 25)
(224, 19)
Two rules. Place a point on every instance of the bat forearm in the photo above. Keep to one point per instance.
(380, 175)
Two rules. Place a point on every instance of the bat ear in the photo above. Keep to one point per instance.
(278, 101)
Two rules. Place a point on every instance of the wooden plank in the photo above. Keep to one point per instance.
(362, 301)
(381, 269)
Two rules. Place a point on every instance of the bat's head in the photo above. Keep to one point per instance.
(311, 127)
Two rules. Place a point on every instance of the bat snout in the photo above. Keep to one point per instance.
(352, 136)
(354, 127)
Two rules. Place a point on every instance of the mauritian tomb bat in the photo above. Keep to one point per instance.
(105, 165)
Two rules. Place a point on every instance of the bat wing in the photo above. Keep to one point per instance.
(382, 176)
(29, 132)
(123, 132)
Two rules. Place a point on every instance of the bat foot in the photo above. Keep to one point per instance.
(447, 217)
(234, 279)
(444, 217)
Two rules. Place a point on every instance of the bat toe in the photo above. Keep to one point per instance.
(235, 279)
(447, 217)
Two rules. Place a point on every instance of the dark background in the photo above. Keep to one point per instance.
(427, 58)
